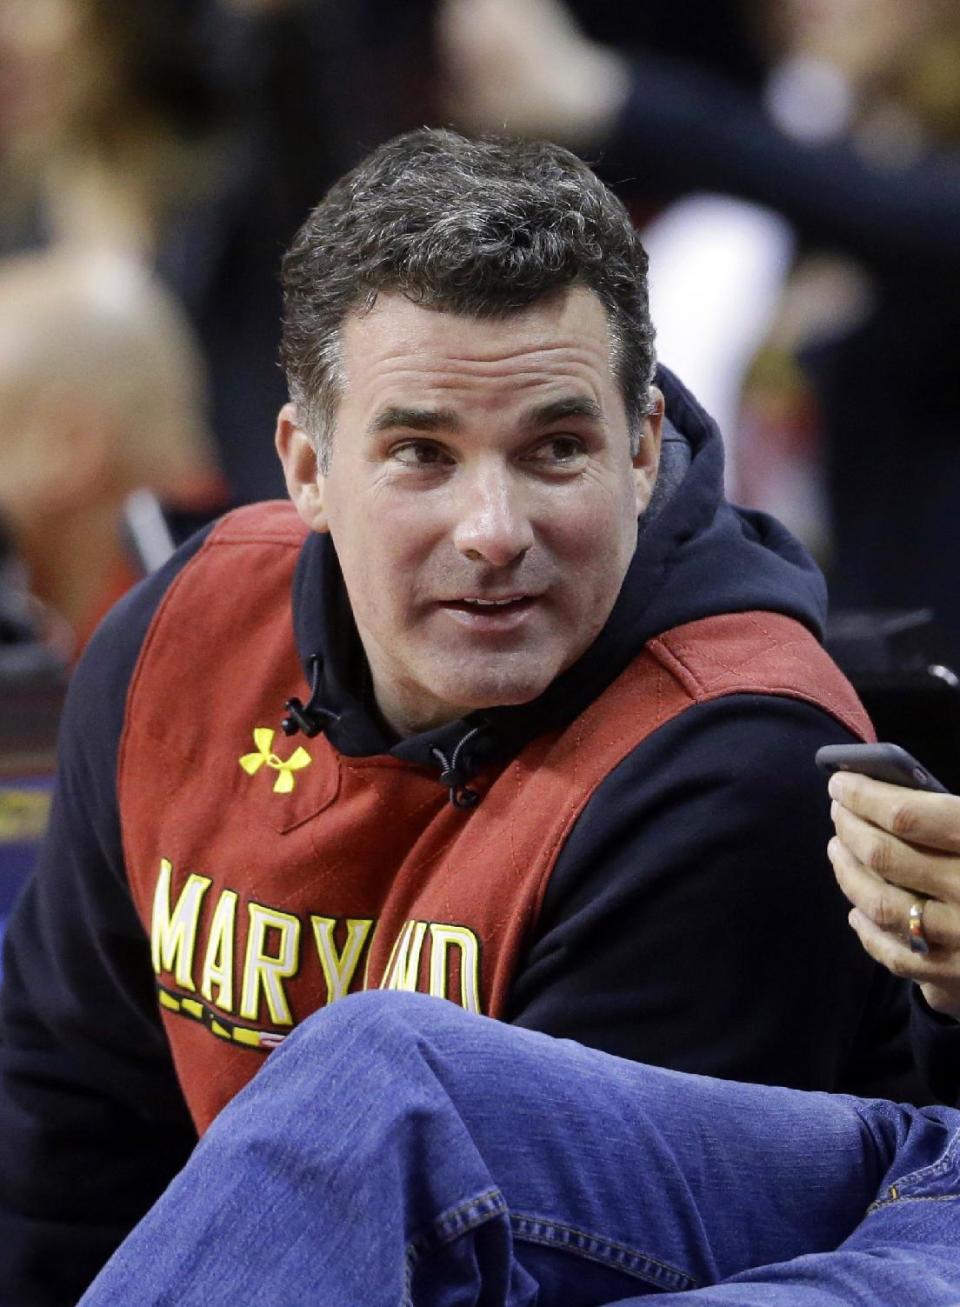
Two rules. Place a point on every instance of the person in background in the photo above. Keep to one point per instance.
(101, 395)
(854, 139)
(112, 122)
(196, 134)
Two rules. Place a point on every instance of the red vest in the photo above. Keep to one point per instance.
(274, 875)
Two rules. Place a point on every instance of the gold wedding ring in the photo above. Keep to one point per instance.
(915, 933)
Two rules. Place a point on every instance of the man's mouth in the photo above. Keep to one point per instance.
(477, 604)
(490, 615)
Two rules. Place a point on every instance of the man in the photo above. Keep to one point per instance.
(555, 762)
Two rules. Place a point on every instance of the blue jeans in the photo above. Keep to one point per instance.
(396, 1150)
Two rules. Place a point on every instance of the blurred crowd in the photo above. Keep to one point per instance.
(795, 165)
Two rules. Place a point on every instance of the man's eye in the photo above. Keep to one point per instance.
(560, 451)
(420, 453)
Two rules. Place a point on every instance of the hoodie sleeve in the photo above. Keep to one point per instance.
(92, 1122)
(936, 1043)
(693, 921)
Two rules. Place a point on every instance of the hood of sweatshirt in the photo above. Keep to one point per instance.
(697, 556)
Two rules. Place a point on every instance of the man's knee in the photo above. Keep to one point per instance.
(380, 1024)
(365, 1046)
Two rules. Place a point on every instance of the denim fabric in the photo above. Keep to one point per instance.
(395, 1150)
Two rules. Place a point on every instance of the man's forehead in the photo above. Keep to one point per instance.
(564, 333)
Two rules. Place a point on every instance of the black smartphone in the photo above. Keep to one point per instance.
(884, 762)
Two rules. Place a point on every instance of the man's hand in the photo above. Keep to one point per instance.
(523, 66)
(896, 847)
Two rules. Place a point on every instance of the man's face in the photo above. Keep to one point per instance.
(481, 496)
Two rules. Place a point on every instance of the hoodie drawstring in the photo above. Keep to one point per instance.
(309, 717)
(461, 795)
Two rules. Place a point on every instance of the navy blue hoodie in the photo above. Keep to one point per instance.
(692, 919)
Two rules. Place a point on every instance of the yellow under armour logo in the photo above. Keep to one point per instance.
(252, 762)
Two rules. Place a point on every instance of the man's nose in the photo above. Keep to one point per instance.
(492, 525)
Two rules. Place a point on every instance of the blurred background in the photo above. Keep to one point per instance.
(794, 166)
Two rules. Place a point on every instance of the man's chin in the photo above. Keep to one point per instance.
(500, 694)
(444, 689)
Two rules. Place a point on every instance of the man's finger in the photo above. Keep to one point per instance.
(889, 950)
(923, 870)
(888, 908)
(941, 988)
(874, 897)
(931, 820)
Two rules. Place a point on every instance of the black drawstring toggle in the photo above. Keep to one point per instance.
(299, 719)
(461, 795)
(309, 717)
(464, 797)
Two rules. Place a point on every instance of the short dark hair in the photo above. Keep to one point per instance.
(480, 227)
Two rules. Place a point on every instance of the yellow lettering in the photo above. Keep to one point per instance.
(404, 965)
(442, 940)
(263, 971)
(218, 959)
(339, 968)
(173, 935)
(251, 1038)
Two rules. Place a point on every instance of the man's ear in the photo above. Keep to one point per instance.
(647, 460)
(301, 468)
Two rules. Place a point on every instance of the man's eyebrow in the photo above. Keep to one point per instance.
(571, 406)
(414, 419)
